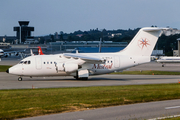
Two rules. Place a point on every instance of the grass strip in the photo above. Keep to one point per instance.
(3, 68)
(150, 72)
(33, 102)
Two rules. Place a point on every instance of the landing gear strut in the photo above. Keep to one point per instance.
(20, 79)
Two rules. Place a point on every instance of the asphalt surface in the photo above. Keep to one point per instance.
(10, 81)
(125, 112)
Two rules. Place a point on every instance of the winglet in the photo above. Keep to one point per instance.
(40, 51)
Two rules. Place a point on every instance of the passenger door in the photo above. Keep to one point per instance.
(38, 63)
(116, 62)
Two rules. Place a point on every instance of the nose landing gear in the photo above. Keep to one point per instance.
(20, 79)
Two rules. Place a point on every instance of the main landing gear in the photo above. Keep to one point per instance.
(20, 79)
(81, 78)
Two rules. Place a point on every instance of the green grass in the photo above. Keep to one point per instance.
(152, 72)
(33, 102)
(3, 68)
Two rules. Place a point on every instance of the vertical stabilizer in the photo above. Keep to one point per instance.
(144, 42)
(40, 51)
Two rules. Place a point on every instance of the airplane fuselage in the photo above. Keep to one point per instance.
(1, 53)
(58, 65)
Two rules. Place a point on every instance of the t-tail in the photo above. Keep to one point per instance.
(144, 42)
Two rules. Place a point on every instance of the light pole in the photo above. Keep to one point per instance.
(20, 35)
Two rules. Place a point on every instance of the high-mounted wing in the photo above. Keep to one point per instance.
(89, 58)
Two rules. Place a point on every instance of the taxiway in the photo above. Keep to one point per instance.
(10, 81)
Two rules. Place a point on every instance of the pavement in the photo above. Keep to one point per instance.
(140, 111)
(11, 82)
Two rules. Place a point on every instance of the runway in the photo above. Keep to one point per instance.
(10, 81)
(139, 111)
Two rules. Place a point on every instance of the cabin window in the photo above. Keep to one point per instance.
(51, 62)
(111, 61)
(44, 62)
(47, 62)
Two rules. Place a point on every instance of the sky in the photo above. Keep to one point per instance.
(50, 16)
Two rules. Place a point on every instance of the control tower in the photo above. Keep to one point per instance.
(23, 32)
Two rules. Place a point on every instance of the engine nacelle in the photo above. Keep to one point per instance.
(6, 55)
(16, 53)
(70, 67)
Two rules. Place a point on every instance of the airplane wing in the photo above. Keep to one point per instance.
(89, 59)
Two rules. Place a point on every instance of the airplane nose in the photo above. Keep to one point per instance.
(7, 70)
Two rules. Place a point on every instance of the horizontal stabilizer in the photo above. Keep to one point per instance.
(150, 29)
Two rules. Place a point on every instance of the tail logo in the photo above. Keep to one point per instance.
(143, 42)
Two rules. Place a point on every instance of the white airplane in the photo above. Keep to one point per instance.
(18, 52)
(168, 60)
(1, 53)
(83, 65)
(6, 54)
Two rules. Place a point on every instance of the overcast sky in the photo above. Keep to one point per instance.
(50, 16)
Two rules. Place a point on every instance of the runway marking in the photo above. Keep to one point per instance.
(173, 107)
(160, 118)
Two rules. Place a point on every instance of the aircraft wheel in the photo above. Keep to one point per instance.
(76, 77)
(20, 79)
(84, 78)
(81, 78)
(162, 65)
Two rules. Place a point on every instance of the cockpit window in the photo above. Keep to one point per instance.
(25, 62)
(21, 62)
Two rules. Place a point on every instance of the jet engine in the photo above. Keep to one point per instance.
(6, 55)
(70, 67)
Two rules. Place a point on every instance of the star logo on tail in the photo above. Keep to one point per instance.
(143, 42)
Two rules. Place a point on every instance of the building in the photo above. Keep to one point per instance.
(23, 32)
(85, 46)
